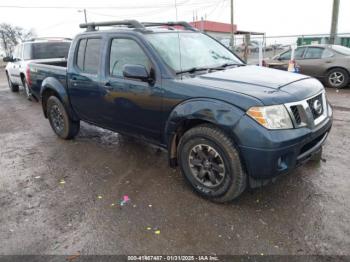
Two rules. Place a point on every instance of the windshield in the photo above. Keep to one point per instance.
(49, 50)
(341, 49)
(197, 51)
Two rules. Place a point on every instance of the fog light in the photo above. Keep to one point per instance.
(281, 164)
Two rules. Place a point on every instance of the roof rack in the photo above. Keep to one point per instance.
(48, 38)
(186, 25)
(129, 23)
(135, 24)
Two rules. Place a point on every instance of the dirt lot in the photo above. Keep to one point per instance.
(63, 197)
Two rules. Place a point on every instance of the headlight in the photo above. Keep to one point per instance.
(271, 117)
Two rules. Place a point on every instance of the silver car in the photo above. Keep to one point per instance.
(329, 63)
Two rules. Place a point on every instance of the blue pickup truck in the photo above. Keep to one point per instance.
(227, 125)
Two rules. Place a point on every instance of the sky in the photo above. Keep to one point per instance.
(274, 17)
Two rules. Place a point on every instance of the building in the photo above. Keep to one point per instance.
(308, 40)
(216, 29)
(223, 31)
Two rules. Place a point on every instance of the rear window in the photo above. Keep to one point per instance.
(49, 50)
(341, 49)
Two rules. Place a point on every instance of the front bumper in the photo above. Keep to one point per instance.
(267, 154)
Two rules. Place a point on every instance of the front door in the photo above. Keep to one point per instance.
(131, 105)
(284, 59)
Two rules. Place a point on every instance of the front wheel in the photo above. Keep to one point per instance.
(59, 119)
(338, 78)
(210, 162)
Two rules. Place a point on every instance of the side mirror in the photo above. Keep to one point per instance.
(8, 59)
(138, 72)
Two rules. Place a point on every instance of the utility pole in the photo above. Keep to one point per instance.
(176, 9)
(334, 26)
(232, 27)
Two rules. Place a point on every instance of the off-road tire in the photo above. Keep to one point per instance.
(235, 178)
(14, 88)
(342, 73)
(68, 128)
(27, 91)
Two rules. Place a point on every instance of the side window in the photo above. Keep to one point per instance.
(88, 56)
(286, 55)
(298, 54)
(327, 53)
(92, 56)
(126, 51)
(27, 51)
(314, 53)
(81, 54)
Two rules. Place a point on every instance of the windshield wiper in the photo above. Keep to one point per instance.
(193, 70)
(209, 69)
(223, 66)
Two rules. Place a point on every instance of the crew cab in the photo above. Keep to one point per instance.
(227, 125)
(47, 50)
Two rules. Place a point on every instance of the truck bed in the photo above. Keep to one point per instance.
(40, 71)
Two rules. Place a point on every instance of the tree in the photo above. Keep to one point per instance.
(11, 35)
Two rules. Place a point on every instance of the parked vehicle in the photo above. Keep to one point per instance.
(252, 47)
(227, 125)
(329, 63)
(41, 50)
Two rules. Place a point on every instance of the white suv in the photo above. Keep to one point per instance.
(39, 50)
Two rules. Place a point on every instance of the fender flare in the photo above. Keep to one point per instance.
(216, 112)
(52, 85)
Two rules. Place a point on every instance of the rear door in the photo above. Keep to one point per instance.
(315, 61)
(84, 77)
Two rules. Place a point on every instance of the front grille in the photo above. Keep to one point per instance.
(308, 112)
(316, 113)
(296, 114)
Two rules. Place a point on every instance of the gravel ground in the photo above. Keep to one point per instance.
(62, 197)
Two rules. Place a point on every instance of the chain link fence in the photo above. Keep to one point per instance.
(247, 46)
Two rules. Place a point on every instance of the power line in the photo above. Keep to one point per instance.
(155, 11)
(170, 5)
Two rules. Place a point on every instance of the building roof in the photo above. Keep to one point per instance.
(211, 26)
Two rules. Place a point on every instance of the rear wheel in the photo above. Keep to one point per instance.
(210, 162)
(59, 119)
(27, 90)
(338, 78)
(13, 87)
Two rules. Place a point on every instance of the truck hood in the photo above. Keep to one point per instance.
(270, 86)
